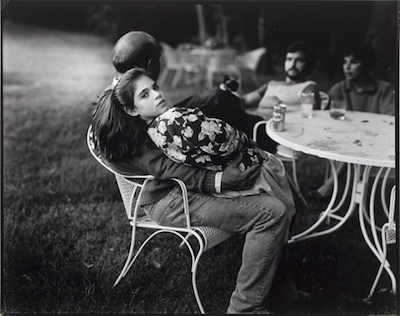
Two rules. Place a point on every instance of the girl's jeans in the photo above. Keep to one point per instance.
(264, 220)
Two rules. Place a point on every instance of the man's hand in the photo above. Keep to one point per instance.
(234, 179)
(269, 102)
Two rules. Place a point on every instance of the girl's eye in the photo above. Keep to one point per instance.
(156, 87)
(144, 95)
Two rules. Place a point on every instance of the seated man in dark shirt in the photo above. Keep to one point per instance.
(139, 49)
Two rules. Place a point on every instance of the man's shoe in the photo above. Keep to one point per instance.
(303, 297)
(232, 310)
(231, 84)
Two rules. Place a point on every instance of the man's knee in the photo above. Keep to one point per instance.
(275, 212)
(278, 207)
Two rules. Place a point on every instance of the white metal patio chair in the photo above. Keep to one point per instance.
(131, 188)
(193, 63)
(222, 62)
(249, 61)
(324, 97)
(286, 155)
(388, 237)
(172, 63)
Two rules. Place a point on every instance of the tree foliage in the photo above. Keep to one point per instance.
(325, 25)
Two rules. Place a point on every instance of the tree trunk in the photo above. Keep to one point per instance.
(202, 23)
(221, 26)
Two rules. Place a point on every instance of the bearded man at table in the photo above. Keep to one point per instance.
(299, 64)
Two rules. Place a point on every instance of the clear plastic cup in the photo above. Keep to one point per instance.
(338, 109)
(307, 104)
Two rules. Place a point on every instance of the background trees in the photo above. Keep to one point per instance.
(325, 25)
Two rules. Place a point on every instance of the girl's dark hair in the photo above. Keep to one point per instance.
(364, 53)
(118, 135)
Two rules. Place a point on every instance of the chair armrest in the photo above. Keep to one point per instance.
(135, 206)
(132, 206)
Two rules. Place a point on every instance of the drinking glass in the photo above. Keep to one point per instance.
(338, 109)
(306, 104)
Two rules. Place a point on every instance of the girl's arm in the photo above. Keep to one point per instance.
(188, 136)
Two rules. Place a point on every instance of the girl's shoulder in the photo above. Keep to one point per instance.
(181, 112)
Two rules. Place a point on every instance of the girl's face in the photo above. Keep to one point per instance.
(352, 68)
(148, 99)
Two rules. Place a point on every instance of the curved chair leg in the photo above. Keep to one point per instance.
(296, 183)
(194, 272)
(195, 259)
(380, 270)
(128, 260)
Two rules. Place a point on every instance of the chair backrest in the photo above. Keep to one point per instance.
(190, 61)
(171, 56)
(219, 62)
(324, 97)
(131, 190)
(187, 47)
(250, 60)
(219, 59)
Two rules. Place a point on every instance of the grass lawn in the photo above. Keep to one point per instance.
(65, 236)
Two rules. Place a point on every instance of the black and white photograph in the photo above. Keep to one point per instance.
(199, 157)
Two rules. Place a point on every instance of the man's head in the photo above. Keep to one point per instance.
(137, 49)
(299, 61)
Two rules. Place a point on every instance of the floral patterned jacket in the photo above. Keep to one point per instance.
(189, 137)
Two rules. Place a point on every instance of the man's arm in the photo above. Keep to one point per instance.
(388, 101)
(155, 163)
(252, 99)
(336, 93)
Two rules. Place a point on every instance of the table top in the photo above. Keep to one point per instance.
(362, 138)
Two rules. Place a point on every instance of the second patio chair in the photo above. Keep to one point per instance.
(172, 63)
(222, 62)
(286, 155)
(131, 188)
(249, 61)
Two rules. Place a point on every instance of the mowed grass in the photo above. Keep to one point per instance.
(65, 236)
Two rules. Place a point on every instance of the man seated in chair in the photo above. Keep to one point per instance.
(253, 287)
(299, 64)
(139, 49)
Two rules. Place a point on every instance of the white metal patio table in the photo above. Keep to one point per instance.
(363, 140)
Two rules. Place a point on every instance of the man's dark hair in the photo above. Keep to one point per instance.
(134, 49)
(309, 55)
(364, 53)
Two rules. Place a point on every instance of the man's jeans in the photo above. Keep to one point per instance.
(264, 220)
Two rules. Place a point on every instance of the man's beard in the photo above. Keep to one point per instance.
(297, 76)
